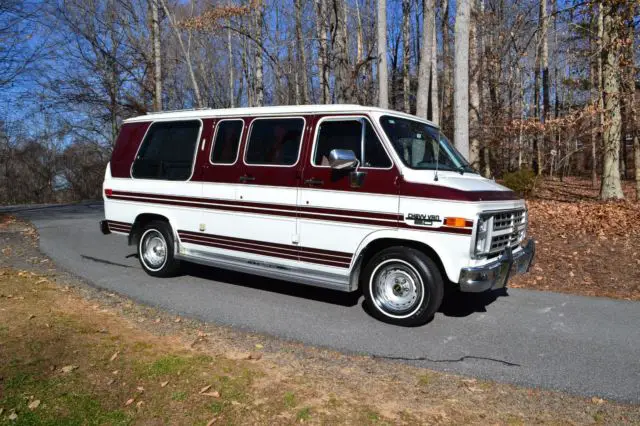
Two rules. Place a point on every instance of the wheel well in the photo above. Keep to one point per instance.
(139, 224)
(383, 243)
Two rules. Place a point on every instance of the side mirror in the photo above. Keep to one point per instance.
(342, 159)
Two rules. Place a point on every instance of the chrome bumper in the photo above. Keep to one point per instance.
(496, 274)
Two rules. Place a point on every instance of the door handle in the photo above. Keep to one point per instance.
(247, 178)
(314, 182)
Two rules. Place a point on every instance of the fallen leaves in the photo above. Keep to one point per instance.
(34, 404)
(68, 368)
(114, 356)
(164, 384)
(129, 402)
(205, 391)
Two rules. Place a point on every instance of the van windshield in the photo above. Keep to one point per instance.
(421, 146)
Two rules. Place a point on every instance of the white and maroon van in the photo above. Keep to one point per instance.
(345, 197)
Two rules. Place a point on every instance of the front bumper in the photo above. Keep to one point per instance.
(496, 274)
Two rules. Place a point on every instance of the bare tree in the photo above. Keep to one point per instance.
(232, 94)
(383, 79)
(157, 61)
(474, 92)
(406, 51)
(611, 187)
(461, 77)
(301, 69)
(323, 60)
(257, 55)
(544, 62)
(435, 103)
(425, 67)
(186, 51)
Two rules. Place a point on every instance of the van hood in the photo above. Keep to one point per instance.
(454, 186)
(454, 180)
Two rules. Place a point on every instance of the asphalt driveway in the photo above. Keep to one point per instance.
(586, 346)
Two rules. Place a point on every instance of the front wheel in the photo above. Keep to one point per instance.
(402, 286)
(156, 250)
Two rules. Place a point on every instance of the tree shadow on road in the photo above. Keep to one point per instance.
(455, 303)
(267, 284)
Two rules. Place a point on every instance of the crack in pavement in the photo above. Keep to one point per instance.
(461, 359)
(106, 262)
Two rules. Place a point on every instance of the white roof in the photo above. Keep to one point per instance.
(269, 111)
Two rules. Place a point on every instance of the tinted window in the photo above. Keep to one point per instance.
(274, 141)
(348, 134)
(421, 146)
(167, 151)
(225, 146)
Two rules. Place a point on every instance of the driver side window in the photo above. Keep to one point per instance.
(351, 134)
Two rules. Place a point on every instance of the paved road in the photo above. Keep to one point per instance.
(587, 346)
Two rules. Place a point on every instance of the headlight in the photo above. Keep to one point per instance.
(482, 233)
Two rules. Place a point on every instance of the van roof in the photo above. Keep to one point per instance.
(268, 110)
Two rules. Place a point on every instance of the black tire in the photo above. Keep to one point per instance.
(402, 286)
(156, 233)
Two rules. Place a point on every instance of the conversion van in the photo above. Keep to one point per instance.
(346, 197)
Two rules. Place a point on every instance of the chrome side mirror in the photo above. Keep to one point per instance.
(342, 159)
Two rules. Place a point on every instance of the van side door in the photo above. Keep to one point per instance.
(338, 209)
(267, 189)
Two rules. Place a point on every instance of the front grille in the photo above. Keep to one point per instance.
(507, 230)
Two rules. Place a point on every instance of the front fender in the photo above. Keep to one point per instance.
(452, 249)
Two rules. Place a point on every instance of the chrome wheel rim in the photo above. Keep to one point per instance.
(396, 288)
(153, 249)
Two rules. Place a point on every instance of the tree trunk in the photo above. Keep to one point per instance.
(544, 62)
(474, 94)
(461, 77)
(187, 55)
(424, 68)
(157, 69)
(257, 58)
(344, 92)
(301, 69)
(232, 100)
(446, 60)
(435, 104)
(383, 79)
(611, 187)
(406, 51)
(323, 62)
(594, 79)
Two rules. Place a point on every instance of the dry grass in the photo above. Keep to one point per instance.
(131, 365)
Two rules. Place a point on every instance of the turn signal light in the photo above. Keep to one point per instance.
(457, 222)
(108, 192)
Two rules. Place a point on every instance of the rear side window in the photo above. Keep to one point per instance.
(274, 141)
(351, 134)
(226, 142)
(167, 151)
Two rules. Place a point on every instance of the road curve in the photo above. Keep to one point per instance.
(582, 345)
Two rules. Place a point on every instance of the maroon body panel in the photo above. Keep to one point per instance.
(339, 215)
(410, 189)
(377, 181)
(126, 147)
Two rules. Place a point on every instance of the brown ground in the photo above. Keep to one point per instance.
(72, 354)
(584, 246)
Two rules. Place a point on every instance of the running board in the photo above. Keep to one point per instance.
(266, 269)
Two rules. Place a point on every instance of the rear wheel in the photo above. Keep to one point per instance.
(156, 250)
(402, 286)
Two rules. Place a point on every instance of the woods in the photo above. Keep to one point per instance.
(518, 85)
